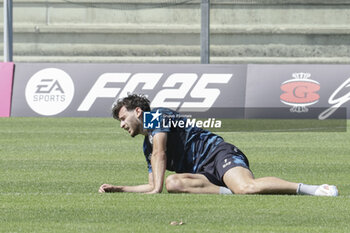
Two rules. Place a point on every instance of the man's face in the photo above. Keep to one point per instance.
(130, 120)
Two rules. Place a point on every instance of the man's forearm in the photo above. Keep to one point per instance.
(158, 167)
(144, 188)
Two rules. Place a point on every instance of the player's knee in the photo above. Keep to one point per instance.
(246, 188)
(173, 184)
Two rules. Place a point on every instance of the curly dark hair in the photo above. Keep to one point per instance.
(130, 102)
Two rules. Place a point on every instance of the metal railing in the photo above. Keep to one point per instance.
(205, 31)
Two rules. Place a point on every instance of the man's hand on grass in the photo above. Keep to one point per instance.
(107, 188)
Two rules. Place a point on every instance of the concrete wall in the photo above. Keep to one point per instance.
(151, 31)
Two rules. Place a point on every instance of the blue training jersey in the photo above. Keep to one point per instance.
(187, 146)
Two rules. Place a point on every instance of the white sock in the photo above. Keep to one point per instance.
(224, 190)
(305, 189)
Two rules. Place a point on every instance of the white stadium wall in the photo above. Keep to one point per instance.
(159, 31)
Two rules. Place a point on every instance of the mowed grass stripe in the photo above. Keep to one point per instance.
(205, 213)
(51, 168)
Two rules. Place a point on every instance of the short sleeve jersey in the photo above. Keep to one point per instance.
(187, 147)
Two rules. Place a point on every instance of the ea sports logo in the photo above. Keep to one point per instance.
(49, 91)
(300, 92)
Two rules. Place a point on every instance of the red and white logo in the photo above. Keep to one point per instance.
(300, 92)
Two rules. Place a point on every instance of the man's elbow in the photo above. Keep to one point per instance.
(154, 189)
(158, 190)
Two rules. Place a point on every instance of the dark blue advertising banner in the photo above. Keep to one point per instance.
(226, 97)
(89, 90)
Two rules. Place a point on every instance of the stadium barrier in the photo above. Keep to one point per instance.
(253, 91)
(6, 77)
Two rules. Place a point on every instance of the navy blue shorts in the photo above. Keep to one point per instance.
(224, 157)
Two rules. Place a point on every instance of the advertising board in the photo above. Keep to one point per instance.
(89, 90)
(6, 75)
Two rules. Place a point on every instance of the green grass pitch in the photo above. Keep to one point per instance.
(51, 169)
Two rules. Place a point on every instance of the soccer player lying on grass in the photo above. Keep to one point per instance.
(203, 161)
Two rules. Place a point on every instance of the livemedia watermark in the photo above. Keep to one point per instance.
(248, 120)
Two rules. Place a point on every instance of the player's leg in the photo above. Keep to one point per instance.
(190, 183)
(241, 181)
(232, 167)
